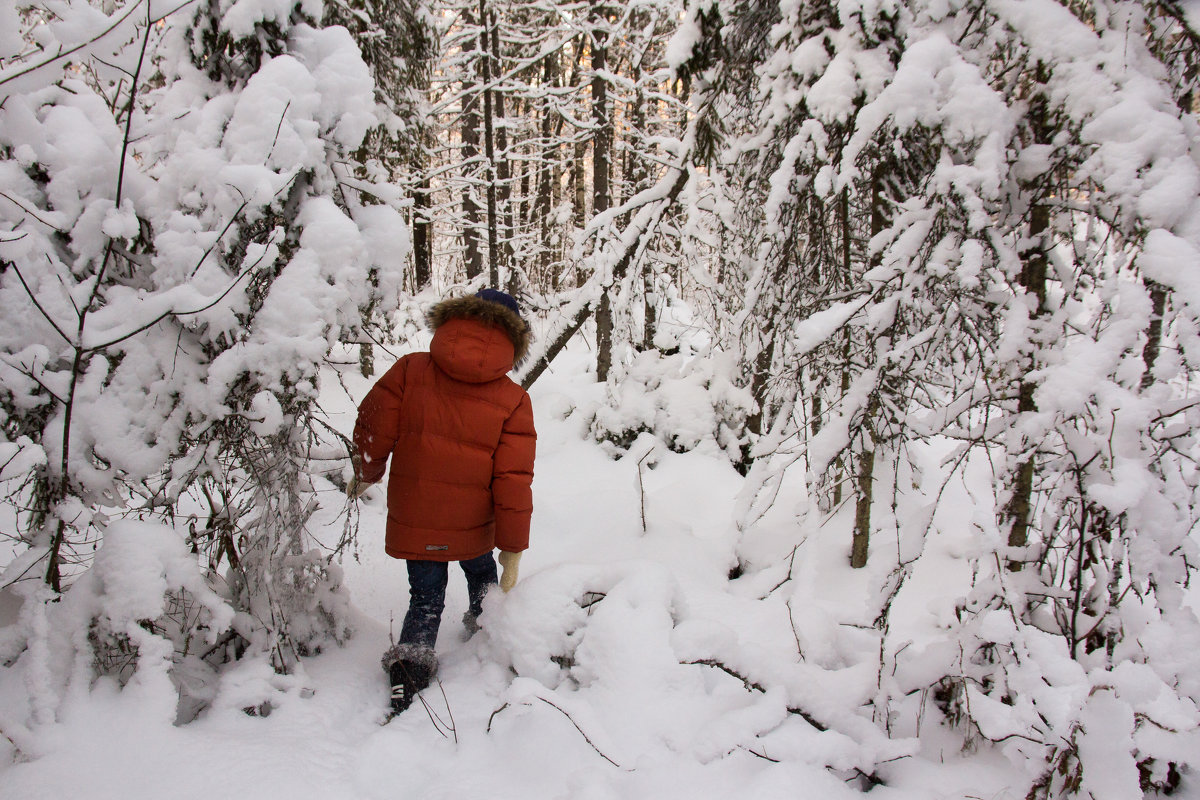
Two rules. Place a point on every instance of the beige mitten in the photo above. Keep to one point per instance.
(510, 563)
(356, 487)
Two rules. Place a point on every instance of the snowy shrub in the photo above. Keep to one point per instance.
(620, 650)
(143, 616)
(687, 402)
(184, 242)
(978, 222)
(1080, 727)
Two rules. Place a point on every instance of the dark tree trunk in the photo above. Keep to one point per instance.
(865, 490)
(844, 280)
(422, 236)
(489, 148)
(756, 423)
(473, 254)
(545, 176)
(1154, 336)
(865, 494)
(1035, 261)
(601, 153)
(502, 165)
(637, 176)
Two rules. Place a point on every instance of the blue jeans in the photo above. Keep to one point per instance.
(427, 595)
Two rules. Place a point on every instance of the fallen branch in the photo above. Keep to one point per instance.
(751, 686)
(581, 733)
(550, 353)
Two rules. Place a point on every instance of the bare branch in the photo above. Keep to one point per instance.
(172, 313)
(586, 738)
(37, 304)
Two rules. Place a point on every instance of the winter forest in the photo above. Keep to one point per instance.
(866, 335)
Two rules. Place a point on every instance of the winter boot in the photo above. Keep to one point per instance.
(470, 625)
(410, 669)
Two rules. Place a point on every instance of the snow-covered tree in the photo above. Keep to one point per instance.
(957, 222)
(183, 243)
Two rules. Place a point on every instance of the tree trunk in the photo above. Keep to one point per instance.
(602, 138)
(544, 200)
(1158, 301)
(489, 149)
(422, 236)
(649, 307)
(756, 423)
(843, 281)
(839, 464)
(502, 165)
(1033, 279)
(472, 255)
(579, 185)
(865, 494)
(865, 490)
(637, 175)
(601, 152)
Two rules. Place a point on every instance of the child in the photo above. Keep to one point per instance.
(461, 438)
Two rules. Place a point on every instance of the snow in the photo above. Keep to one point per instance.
(686, 36)
(679, 630)
(10, 36)
(587, 680)
(602, 674)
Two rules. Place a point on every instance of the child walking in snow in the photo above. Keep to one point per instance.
(460, 435)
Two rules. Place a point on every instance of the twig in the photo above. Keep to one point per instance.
(493, 716)
(25, 571)
(787, 578)
(220, 236)
(28, 211)
(712, 662)
(28, 372)
(16, 747)
(133, 90)
(795, 634)
(581, 733)
(641, 485)
(438, 722)
(590, 599)
(278, 128)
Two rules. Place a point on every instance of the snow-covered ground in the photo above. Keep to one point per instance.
(580, 684)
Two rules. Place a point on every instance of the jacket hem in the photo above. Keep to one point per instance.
(435, 555)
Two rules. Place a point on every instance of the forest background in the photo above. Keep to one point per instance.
(888, 228)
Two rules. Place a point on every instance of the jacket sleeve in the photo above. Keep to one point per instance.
(512, 478)
(378, 424)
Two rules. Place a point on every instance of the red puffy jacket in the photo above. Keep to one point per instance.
(460, 435)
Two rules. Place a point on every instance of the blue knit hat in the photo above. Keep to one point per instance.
(497, 296)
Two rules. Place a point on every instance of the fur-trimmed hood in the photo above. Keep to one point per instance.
(489, 313)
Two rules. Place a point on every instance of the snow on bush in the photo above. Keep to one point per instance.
(143, 617)
(188, 243)
(647, 674)
(1101, 730)
(687, 402)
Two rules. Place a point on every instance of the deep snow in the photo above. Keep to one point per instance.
(555, 700)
